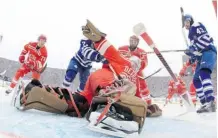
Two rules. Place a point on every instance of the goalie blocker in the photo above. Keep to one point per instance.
(129, 110)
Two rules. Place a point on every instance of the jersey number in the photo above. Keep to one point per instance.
(200, 30)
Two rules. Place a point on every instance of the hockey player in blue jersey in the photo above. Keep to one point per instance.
(203, 49)
(81, 63)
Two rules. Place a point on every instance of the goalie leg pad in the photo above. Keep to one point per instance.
(153, 111)
(137, 106)
(40, 99)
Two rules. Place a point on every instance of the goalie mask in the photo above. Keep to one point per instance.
(133, 42)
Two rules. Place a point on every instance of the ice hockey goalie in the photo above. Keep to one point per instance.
(120, 114)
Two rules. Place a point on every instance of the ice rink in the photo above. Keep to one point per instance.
(36, 124)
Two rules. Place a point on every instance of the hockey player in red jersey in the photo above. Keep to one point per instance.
(32, 59)
(133, 50)
(172, 90)
(190, 63)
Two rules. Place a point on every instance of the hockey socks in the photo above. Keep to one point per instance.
(199, 90)
(207, 84)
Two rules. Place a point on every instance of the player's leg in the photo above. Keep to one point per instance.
(71, 72)
(19, 74)
(83, 77)
(35, 75)
(144, 91)
(207, 65)
(198, 85)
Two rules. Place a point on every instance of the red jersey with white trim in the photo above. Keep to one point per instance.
(35, 53)
(142, 88)
(138, 52)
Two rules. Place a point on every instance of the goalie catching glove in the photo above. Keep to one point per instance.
(92, 33)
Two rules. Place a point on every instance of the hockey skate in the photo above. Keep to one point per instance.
(15, 101)
(208, 107)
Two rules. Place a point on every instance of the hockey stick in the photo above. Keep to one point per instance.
(140, 30)
(150, 74)
(38, 71)
(166, 51)
(183, 30)
(43, 69)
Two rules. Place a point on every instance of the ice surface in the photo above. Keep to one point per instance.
(36, 124)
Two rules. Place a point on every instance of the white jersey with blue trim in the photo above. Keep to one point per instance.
(86, 54)
(199, 38)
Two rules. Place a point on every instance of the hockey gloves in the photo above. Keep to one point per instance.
(92, 33)
(182, 73)
(21, 58)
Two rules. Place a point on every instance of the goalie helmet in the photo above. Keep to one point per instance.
(189, 18)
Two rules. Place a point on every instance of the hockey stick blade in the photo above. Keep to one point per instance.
(3, 73)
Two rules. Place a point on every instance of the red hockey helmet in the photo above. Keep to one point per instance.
(42, 37)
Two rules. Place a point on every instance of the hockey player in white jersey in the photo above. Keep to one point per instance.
(203, 48)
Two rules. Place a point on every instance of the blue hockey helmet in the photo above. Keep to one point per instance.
(188, 17)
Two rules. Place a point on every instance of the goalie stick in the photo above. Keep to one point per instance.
(140, 30)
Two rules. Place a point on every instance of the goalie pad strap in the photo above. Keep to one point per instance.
(110, 102)
(53, 92)
(74, 105)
